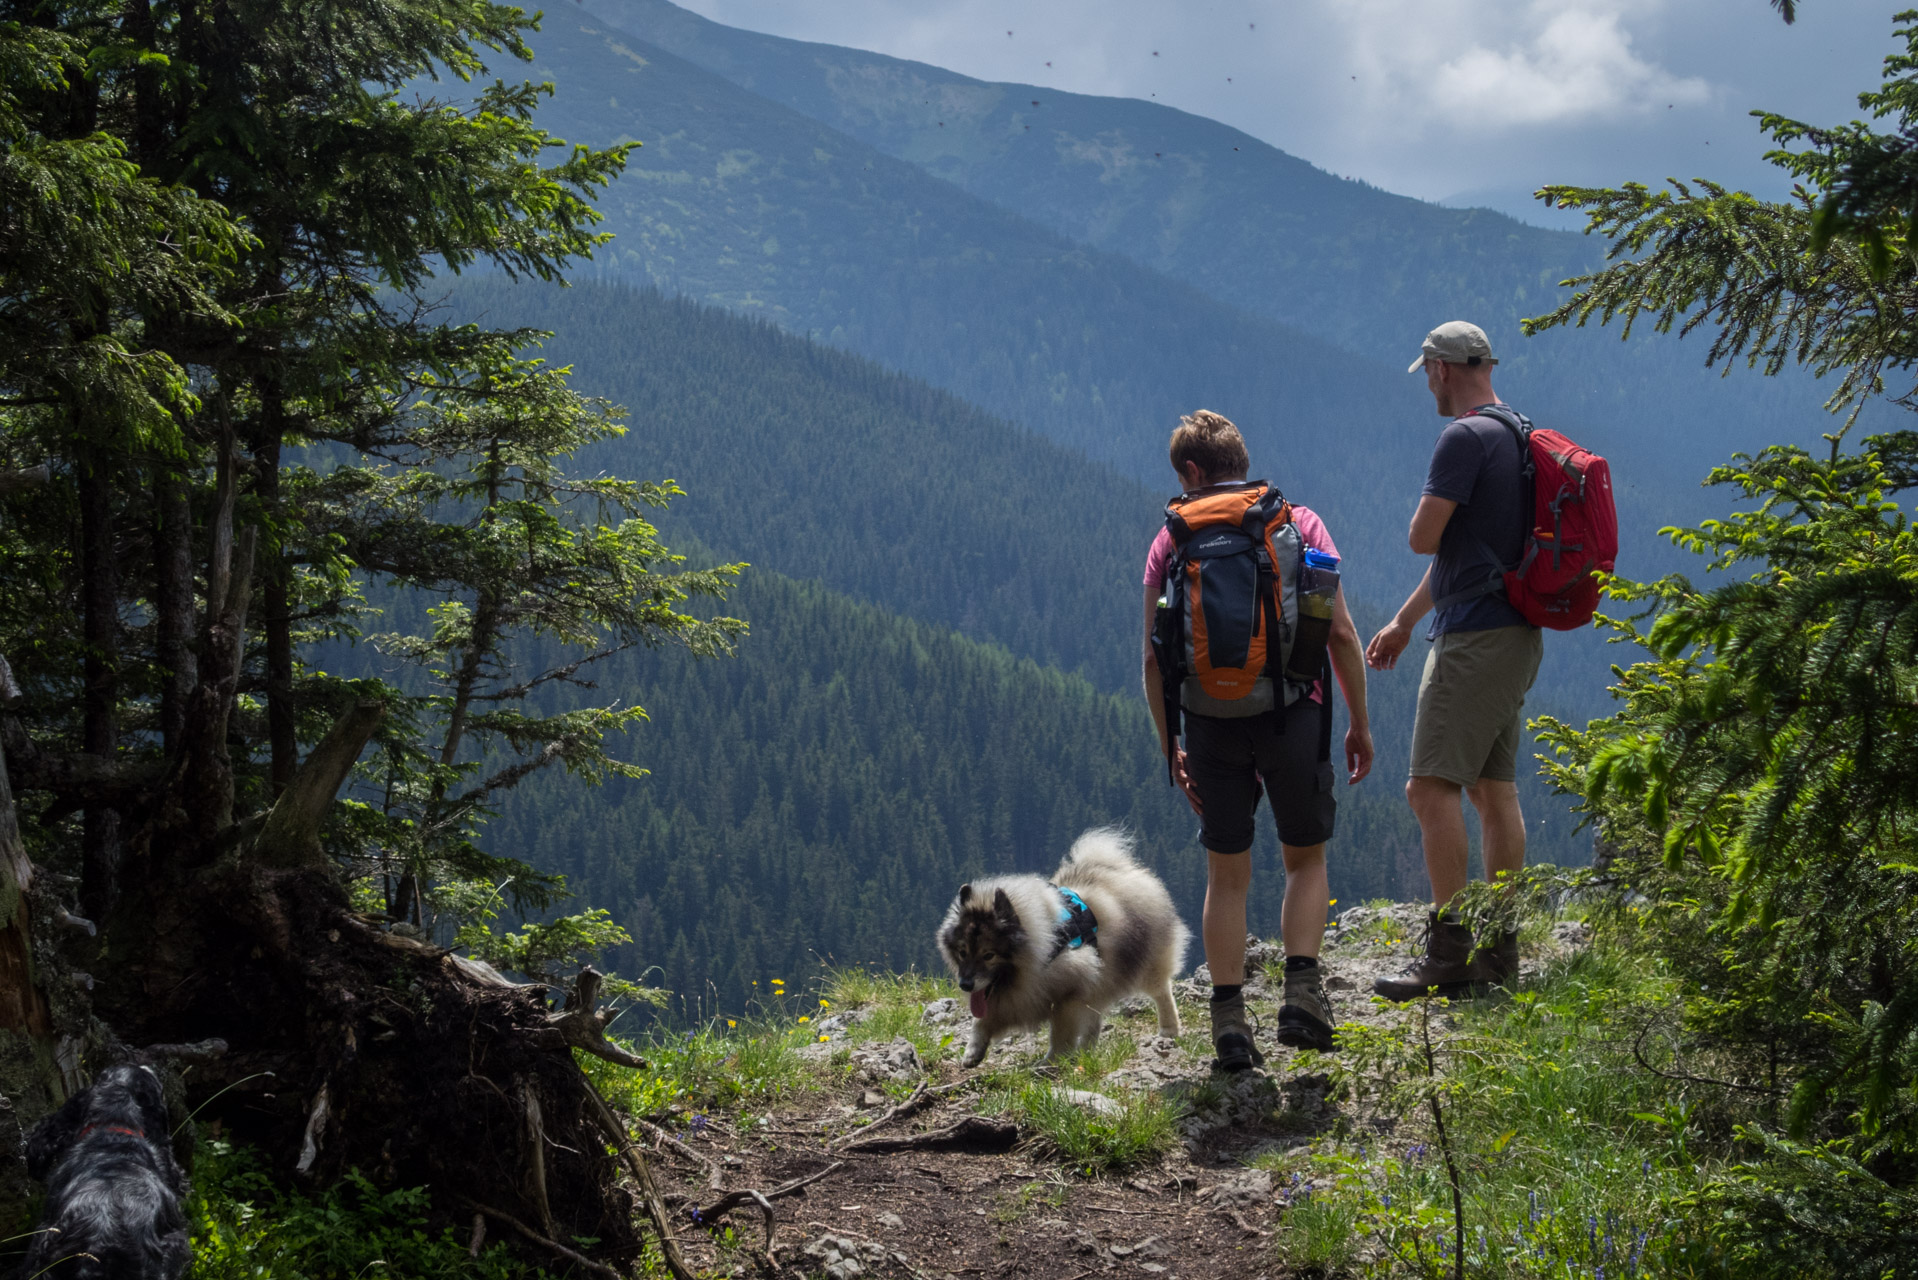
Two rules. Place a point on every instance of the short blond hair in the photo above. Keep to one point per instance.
(1210, 440)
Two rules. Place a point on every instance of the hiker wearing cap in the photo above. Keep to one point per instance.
(1472, 519)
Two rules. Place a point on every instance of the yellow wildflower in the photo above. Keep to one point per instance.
(804, 1018)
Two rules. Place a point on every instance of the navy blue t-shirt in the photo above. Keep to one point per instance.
(1476, 464)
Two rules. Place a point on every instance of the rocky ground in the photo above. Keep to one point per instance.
(911, 1170)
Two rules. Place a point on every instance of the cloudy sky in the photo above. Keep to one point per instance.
(1478, 101)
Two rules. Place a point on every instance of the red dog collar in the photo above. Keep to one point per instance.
(113, 1128)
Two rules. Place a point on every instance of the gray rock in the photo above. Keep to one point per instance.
(842, 1257)
(1097, 1103)
(1159, 1062)
(1243, 1099)
(891, 1220)
(1150, 1247)
(1572, 934)
(876, 1064)
(872, 1098)
(1246, 1190)
(814, 1052)
(1131, 1005)
(943, 1013)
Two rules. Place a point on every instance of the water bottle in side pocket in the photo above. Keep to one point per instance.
(1318, 590)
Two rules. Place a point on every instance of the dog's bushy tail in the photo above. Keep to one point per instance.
(1102, 849)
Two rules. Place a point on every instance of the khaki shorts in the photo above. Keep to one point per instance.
(1470, 703)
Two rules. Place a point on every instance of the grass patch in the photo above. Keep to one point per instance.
(892, 1007)
(872, 987)
(1570, 1157)
(1112, 1050)
(720, 1064)
(1143, 1128)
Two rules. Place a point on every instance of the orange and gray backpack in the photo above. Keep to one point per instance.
(1223, 638)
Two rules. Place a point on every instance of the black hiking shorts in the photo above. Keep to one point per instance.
(1284, 748)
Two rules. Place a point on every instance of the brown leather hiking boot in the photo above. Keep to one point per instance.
(1497, 960)
(1446, 969)
(1305, 1016)
(1232, 1036)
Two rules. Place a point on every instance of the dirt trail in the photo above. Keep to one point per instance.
(1199, 1211)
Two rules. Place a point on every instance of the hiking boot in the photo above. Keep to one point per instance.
(1232, 1036)
(1446, 969)
(1306, 1017)
(1497, 960)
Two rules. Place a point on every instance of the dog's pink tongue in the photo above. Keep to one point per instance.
(978, 1004)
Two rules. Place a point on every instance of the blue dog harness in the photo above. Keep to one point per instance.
(1077, 926)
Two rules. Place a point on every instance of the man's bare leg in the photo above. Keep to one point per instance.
(1441, 818)
(1502, 824)
(1446, 967)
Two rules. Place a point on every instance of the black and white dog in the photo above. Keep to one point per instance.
(113, 1186)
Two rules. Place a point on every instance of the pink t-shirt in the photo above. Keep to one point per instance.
(1311, 529)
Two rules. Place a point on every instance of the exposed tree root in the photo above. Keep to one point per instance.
(916, 1102)
(715, 1176)
(709, 1217)
(973, 1133)
(578, 1260)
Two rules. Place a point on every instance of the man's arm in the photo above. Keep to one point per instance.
(1383, 653)
(1348, 663)
(1429, 522)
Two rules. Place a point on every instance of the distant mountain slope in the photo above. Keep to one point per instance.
(1199, 200)
(738, 201)
(818, 465)
(1269, 233)
(823, 794)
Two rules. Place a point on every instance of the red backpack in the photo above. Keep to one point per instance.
(1574, 531)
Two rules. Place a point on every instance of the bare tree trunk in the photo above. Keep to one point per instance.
(100, 611)
(206, 794)
(276, 621)
(173, 603)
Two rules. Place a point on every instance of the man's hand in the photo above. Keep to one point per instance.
(1383, 653)
(1184, 779)
(1358, 755)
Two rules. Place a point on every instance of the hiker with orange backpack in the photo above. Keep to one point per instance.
(1245, 618)
(1517, 520)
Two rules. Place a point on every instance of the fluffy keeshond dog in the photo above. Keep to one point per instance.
(1028, 951)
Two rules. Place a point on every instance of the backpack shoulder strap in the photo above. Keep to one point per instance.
(1521, 428)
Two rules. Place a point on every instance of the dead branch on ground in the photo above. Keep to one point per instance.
(917, 1101)
(973, 1133)
(577, 1259)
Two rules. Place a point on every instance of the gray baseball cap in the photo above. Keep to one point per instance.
(1455, 342)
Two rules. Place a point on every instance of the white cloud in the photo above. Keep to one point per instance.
(1578, 65)
(1592, 91)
